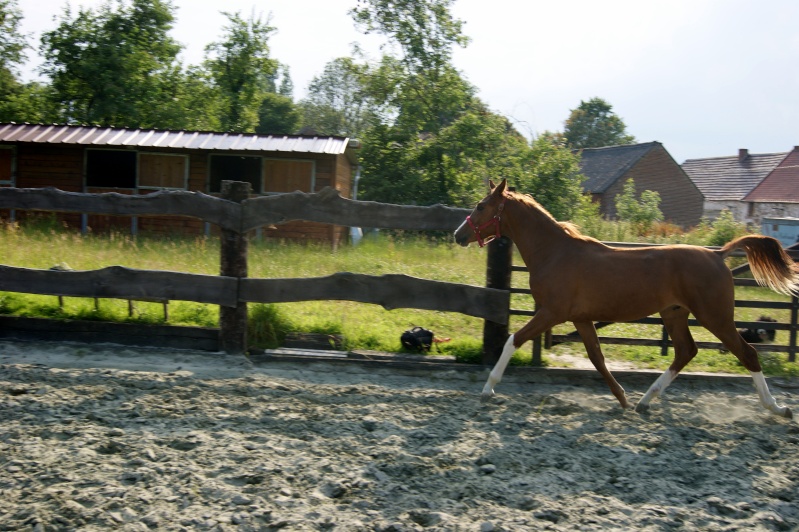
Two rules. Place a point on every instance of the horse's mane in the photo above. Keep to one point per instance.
(569, 228)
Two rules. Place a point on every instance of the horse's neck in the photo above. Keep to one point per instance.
(535, 234)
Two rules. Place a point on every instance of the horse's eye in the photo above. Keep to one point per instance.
(479, 207)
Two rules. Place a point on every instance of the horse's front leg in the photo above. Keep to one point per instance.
(591, 341)
(540, 323)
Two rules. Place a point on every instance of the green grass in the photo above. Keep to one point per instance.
(363, 326)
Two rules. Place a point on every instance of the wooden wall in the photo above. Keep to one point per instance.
(62, 167)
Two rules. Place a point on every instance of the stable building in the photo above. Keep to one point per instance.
(141, 161)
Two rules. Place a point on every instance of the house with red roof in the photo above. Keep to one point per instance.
(777, 195)
(725, 182)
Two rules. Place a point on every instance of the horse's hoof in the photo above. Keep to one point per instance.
(641, 408)
(786, 413)
(486, 397)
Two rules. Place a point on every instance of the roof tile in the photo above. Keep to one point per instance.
(604, 166)
(781, 185)
(730, 178)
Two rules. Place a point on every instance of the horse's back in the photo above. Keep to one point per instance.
(615, 284)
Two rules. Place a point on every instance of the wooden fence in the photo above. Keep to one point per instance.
(500, 270)
(237, 214)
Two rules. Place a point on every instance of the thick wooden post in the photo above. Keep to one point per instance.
(233, 320)
(498, 273)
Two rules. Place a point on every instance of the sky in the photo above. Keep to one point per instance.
(703, 77)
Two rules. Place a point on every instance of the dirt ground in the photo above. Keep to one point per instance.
(114, 438)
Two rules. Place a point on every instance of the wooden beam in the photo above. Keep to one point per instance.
(390, 291)
(223, 213)
(327, 206)
(121, 283)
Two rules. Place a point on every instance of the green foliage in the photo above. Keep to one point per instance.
(113, 66)
(556, 179)
(643, 213)
(427, 148)
(19, 102)
(12, 42)
(242, 71)
(337, 101)
(267, 326)
(593, 124)
(424, 30)
(725, 228)
(278, 115)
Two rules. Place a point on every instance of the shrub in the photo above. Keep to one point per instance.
(725, 228)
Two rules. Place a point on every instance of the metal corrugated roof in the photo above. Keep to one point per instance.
(188, 140)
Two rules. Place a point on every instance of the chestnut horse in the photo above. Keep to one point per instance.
(579, 279)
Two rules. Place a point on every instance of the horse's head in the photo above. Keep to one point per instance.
(482, 225)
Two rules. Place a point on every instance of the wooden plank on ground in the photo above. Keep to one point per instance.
(167, 336)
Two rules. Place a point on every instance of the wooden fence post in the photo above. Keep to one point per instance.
(498, 274)
(233, 251)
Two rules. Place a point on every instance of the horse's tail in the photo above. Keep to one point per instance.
(771, 265)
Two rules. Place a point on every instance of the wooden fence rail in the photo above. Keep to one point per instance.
(390, 291)
(236, 216)
(326, 206)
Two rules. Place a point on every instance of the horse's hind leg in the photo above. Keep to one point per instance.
(732, 340)
(588, 334)
(676, 322)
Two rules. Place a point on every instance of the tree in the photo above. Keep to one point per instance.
(556, 179)
(114, 66)
(422, 86)
(278, 115)
(242, 71)
(643, 213)
(12, 42)
(593, 125)
(435, 139)
(19, 102)
(337, 102)
(452, 167)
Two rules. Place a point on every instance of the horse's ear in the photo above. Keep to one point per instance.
(498, 189)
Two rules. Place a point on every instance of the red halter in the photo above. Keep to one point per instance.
(493, 221)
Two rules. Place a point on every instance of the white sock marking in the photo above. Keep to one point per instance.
(658, 386)
(766, 399)
(499, 368)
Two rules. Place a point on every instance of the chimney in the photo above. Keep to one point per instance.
(743, 154)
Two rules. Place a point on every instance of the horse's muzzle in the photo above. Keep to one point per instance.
(462, 234)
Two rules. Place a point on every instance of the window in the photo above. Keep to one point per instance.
(288, 175)
(6, 165)
(234, 168)
(158, 171)
(111, 168)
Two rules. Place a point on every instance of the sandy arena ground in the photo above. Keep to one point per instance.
(114, 438)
